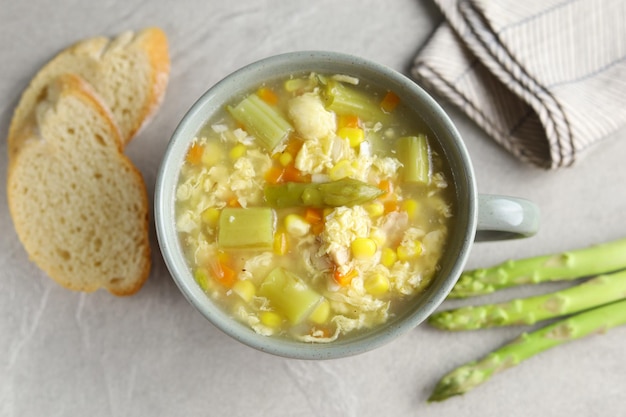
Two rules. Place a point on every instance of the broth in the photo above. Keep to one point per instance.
(314, 207)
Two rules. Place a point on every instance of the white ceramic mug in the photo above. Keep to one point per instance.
(477, 217)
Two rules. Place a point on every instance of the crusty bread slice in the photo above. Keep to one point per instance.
(130, 73)
(79, 205)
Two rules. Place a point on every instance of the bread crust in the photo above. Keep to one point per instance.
(97, 60)
(120, 81)
(46, 146)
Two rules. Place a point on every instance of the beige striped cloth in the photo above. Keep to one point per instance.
(545, 78)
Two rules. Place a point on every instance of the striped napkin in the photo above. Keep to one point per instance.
(545, 78)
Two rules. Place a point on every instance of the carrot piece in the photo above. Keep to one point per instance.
(194, 154)
(274, 174)
(228, 276)
(391, 205)
(293, 174)
(313, 215)
(233, 202)
(386, 186)
(222, 270)
(317, 228)
(344, 279)
(389, 102)
(294, 144)
(315, 218)
(267, 95)
(347, 120)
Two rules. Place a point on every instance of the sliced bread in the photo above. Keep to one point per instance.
(130, 74)
(79, 205)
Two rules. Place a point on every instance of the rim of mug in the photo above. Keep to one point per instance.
(242, 81)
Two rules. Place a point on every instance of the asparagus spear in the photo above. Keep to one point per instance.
(597, 291)
(470, 375)
(344, 192)
(579, 263)
(261, 120)
(414, 153)
(343, 99)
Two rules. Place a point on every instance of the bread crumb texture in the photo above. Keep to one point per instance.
(129, 73)
(79, 205)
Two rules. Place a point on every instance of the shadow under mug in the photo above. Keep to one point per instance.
(477, 216)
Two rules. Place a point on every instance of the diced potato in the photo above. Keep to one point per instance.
(244, 289)
(321, 313)
(289, 295)
(246, 228)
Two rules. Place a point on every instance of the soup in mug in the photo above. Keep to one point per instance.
(314, 208)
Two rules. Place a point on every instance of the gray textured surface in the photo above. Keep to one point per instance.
(64, 353)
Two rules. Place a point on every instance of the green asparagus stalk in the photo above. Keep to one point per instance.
(346, 100)
(414, 153)
(344, 192)
(246, 228)
(597, 291)
(261, 120)
(470, 375)
(593, 260)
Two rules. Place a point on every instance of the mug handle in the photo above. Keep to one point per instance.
(503, 218)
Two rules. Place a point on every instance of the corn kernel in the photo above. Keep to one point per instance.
(237, 151)
(212, 153)
(408, 252)
(376, 284)
(270, 319)
(296, 225)
(210, 216)
(363, 248)
(354, 135)
(202, 278)
(341, 169)
(410, 206)
(285, 158)
(280, 243)
(388, 257)
(321, 313)
(375, 209)
(245, 289)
